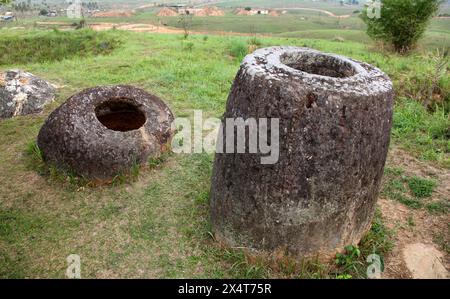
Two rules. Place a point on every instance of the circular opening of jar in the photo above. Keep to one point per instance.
(318, 64)
(120, 115)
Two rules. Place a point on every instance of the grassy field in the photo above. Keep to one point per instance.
(298, 24)
(333, 6)
(157, 224)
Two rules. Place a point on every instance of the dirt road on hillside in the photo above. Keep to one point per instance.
(328, 13)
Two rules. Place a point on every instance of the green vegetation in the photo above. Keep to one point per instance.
(295, 23)
(238, 49)
(441, 207)
(401, 23)
(442, 241)
(157, 226)
(40, 46)
(333, 6)
(423, 132)
(379, 240)
(421, 187)
(411, 191)
(66, 177)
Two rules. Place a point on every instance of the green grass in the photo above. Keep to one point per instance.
(158, 225)
(296, 23)
(442, 240)
(239, 49)
(34, 160)
(423, 132)
(379, 240)
(330, 6)
(441, 207)
(421, 187)
(411, 191)
(37, 46)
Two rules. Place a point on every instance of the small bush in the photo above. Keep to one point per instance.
(401, 23)
(54, 46)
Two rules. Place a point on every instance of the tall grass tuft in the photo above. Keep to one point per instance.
(238, 49)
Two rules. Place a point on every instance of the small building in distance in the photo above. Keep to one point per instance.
(255, 11)
(8, 16)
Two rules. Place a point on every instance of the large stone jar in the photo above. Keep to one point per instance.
(335, 118)
(104, 131)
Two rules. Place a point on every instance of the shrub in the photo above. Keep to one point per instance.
(401, 22)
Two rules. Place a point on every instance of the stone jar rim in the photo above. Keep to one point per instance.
(270, 64)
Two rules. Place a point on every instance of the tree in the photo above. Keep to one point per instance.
(185, 20)
(400, 23)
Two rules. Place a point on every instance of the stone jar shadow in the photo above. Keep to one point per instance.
(335, 118)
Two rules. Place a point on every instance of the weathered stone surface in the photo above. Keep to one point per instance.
(23, 93)
(103, 131)
(424, 261)
(335, 121)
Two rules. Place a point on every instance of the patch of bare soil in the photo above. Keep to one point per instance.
(210, 11)
(415, 254)
(160, 29)
(52, 23)
(328, 13)
(135, 28)
(274, 13)
(113, 14)
(167, 12)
